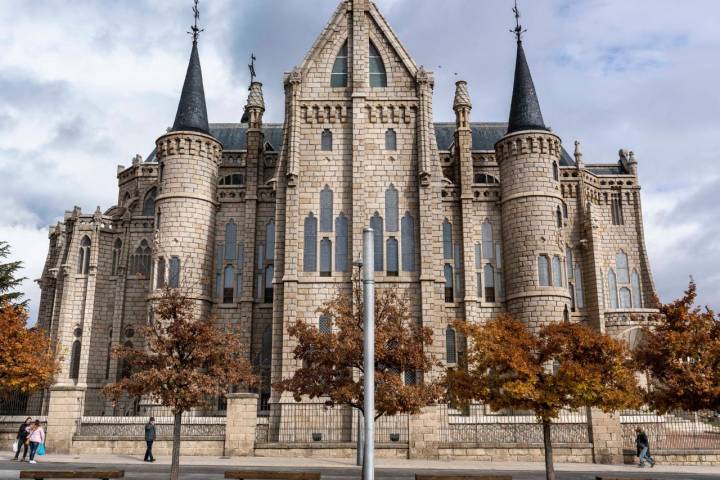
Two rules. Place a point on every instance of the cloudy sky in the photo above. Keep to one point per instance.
(87, 84)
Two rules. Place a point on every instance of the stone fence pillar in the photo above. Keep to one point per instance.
(240, 424)
(65, 410)
(424, 433)
(606, 437)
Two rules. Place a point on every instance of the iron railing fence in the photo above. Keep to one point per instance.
(316, 423)
(478, 425)
(146, 408)
(18, 403)
(134, 427)
(673, 431)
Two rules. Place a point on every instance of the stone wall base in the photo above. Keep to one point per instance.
(679, 457)
(211, 447)
(580, 453)
(329, 451)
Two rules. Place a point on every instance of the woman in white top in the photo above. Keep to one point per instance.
(36, 438)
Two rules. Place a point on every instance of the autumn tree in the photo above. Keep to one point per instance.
(332, 358)
(564, 366)
(9, 281)
(186, 362)
(680, 351)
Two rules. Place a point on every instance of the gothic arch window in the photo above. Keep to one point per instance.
(579, 291)
(230, 240)
(160, 273)
(126, 200)
(636, 295)
(140, 260)
(555, 172)
(326, 209)
(84, 256)
(544, 270)
(623, 269)
(557, 271)
(612, 289)
(390, 140)
(229, 284)
(408, 243)
(376, 223)
(326, 140)
(392, 257)
(339, 75)
(450, 345)
(559, 217)
(310, 247)
(270, 240)
(325, 257)
(447, 240)
(449, 284)
(569, 262)
(487, 239)
(378, 77)
(489, 274)
(625, 298)
(341, 243)
(75, 360)
(117, 249)
(174, 273)
(391, 208)
(149, 203)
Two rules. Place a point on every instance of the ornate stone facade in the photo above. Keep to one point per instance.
(261, 223)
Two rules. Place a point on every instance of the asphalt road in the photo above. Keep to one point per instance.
(9, 470)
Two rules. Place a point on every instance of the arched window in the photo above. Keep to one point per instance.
(390, 140)
(84, 256)
(559, 217)
(636, 295)
(450, 345)
(623, 269)
(117, 249)
(392, 257)
(325, 325)
(557, 271)
(378, 77)
(376, 223)
(565, 210)
(447, 240)
(339, 75)
(579, 291)
(310, 247)
(229, 285)
(326, 140)
(160, 273)
(75, 360)
(544, 270)
(326, 209)
(489, 274)
(341, 243)
(325, 257)
(408, 243)
(449, 284)
(485, 178)
(269, 288)
(625, 298)
(140, 260)
(569, 262)
(270, 240)
(612, 289)
(174, 277)
(555, 171)
(230, 240)
(391, 208)
(149, 203)
(266, 348)
(126, 200)
(487, 240)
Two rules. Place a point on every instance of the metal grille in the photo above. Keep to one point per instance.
(16, 403)
(674, 431)
(478, 426)
(315, 423)
(133, 427)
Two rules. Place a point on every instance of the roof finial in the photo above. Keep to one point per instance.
(195, 31)
(251, 66)
(518, 30)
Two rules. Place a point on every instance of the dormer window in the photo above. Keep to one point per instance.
(378, 77)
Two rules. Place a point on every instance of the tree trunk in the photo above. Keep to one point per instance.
(175, 462)
(547, 440)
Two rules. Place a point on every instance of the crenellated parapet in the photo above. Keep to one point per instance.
(186, 143)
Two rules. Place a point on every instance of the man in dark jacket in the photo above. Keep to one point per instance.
(21, 438)
(149, 439)
(643, 448)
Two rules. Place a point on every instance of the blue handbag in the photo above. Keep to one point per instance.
(41, 449)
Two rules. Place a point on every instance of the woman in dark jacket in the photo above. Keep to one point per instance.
(21, 438)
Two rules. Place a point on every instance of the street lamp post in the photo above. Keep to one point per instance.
(368, 280)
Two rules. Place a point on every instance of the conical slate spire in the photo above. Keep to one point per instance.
(525, 111)
(192, 111)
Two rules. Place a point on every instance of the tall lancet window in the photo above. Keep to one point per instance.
(325, 257)
(390, 140)
(376, 223)
(310, 247)
(378, 77)
(84, 256)
(392, 257)
(117, 248)
(326, 209)
(149, 203)
(326, 141)
(230, 240)
(488, 248)
(339, 75)
(341, 243)
(447, 240)
(174, 277)
(408, 243)
(391, 209)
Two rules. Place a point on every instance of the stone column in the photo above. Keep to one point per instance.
(606, 437)
(240, 425)
(64, 413)
(424, 433)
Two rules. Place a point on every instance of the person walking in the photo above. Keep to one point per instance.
(149, 439)
(36, 438)
(643, 448)
(22, 441)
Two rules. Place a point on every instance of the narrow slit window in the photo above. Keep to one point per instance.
(579, 292)
(489, 274)
(612, 289)
(84, 256)
(391, 209)
(160, 274)
(450, 345)
(392, 257)
(376, 223)
(557, 271)
(310, 247)
(326, 209)
(341, 244)
(449, 284)
(174, 277)
(325, 257)
(487, 240)
(636, 295)
(408, 243)
(230, 239)
(447, 239)
(229, 285)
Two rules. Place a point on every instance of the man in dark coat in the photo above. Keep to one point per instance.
(21, 438)
(149, 439)
(643, 448)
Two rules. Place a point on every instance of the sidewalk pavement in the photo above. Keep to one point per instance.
(381, 463)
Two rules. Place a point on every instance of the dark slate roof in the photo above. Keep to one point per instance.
(610, 169)
(525, 111)
(192, 111)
